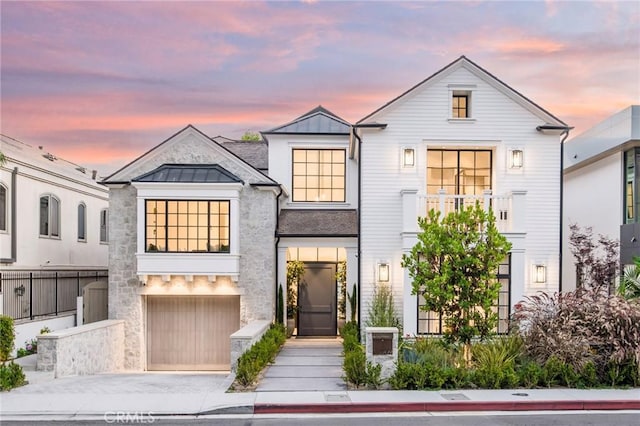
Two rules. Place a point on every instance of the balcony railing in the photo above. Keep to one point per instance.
(508, 209)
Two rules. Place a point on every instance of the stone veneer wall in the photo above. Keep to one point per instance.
(244, 338)
(89, 349)
(257, 241)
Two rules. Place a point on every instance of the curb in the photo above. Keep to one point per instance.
(370, 407)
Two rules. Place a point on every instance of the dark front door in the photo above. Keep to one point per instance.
(317, 300)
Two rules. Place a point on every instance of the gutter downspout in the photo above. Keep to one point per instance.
(14, 227)
(276, 253)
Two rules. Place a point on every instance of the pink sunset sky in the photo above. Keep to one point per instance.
(99, 83)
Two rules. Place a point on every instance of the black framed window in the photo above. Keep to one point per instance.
(82, 222)
(49, 216)
(104, 225)
(430, 322)
(3, 208)
(459, 172)
(319, 175)
(187, 226)
(460, 104)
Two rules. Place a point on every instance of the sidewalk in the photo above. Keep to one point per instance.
(164, 394)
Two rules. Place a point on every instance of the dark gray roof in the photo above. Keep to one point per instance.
(317, 121)
(317, 223)
(255, 153)
(195, 173)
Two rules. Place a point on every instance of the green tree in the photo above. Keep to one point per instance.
(630, 280)
(3, 159)
(454, 266)
(295, 272)
(251, 136)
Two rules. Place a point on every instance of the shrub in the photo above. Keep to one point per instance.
(280, 309)
(350, 329)
(495, 363)
(7, 337)
(373, 376)
(529, 374)
(11, 376)
(263, 352)
(355, 367)
(581, 327)
(382, 311)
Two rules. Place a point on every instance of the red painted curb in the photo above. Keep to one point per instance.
(370, 407)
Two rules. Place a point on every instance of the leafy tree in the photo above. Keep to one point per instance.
(251, 136)
(454, 266)
(596, 261)
(3, 158)
(295, 272)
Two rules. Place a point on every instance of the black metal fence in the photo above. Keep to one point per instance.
(30, 294)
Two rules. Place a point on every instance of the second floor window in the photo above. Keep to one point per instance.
(187, 226)
(319, 175)
(104, 225)
(82, 222)
(460, 106)
(49, 216)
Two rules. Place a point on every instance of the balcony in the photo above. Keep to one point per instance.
(509, 209)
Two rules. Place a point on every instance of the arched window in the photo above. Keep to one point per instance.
(82, 222)
(104, 225)
(49, 216)
(4, 209)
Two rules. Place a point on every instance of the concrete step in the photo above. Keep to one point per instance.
(300, 384)
(309, 361)
(311, 352)
(303, 371)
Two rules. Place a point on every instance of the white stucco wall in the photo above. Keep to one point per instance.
(592, 198)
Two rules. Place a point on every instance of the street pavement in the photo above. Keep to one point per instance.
(203, 394)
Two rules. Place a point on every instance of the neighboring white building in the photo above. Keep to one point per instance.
(602, 182)
(454, 137)
(53, 234)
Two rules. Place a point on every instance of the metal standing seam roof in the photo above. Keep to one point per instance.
(318, 223)
(189, 173)
(317, 121)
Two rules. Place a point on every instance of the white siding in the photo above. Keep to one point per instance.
(593, 197)
(421, 120)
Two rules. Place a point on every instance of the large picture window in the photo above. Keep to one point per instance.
(319, 175)
(430, 322)
(458, 172)
(187, 226)
(49, 216)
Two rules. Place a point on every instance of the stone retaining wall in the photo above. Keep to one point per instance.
(89, 349)
(244, 338)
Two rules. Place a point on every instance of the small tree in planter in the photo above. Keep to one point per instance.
(295, 272)
(454, 267)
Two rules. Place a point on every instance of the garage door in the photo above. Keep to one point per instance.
(190, 333)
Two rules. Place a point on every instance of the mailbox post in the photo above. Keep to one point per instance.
(382, 348)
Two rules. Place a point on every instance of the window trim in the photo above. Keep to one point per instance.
(166, 238)
(104, 212)
(82, 239)
(344, 176)
(466, 90)
(6, 210)
(49, 233)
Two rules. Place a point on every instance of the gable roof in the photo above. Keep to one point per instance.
(464, 62)
(318, 121)
(192, 173)
(115, 179)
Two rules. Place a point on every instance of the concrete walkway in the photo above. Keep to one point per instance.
(306, 365)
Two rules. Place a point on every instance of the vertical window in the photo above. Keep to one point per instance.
(319, 175)
(187, 226)
(104, 225)
(49, 216)
(460, 105)
(82, 222)
(630, 187)
(4, 214)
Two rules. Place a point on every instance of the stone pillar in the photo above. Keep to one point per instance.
(382, 348)
(79, 310)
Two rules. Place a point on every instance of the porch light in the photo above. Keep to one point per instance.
(516, 159)
(409, 157)
(540, 272)
(383, 272)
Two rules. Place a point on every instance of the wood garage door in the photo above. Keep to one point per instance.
(191, 333)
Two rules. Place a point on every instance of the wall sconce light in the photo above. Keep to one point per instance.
(408, 157)
(19, 291)
(540, 274)
(517, 159)
(383, 272)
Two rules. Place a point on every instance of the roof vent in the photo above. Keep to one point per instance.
(49, 156)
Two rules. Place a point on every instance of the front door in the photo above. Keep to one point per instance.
(317, 293)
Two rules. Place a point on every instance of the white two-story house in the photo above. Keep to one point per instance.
(460, 135)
